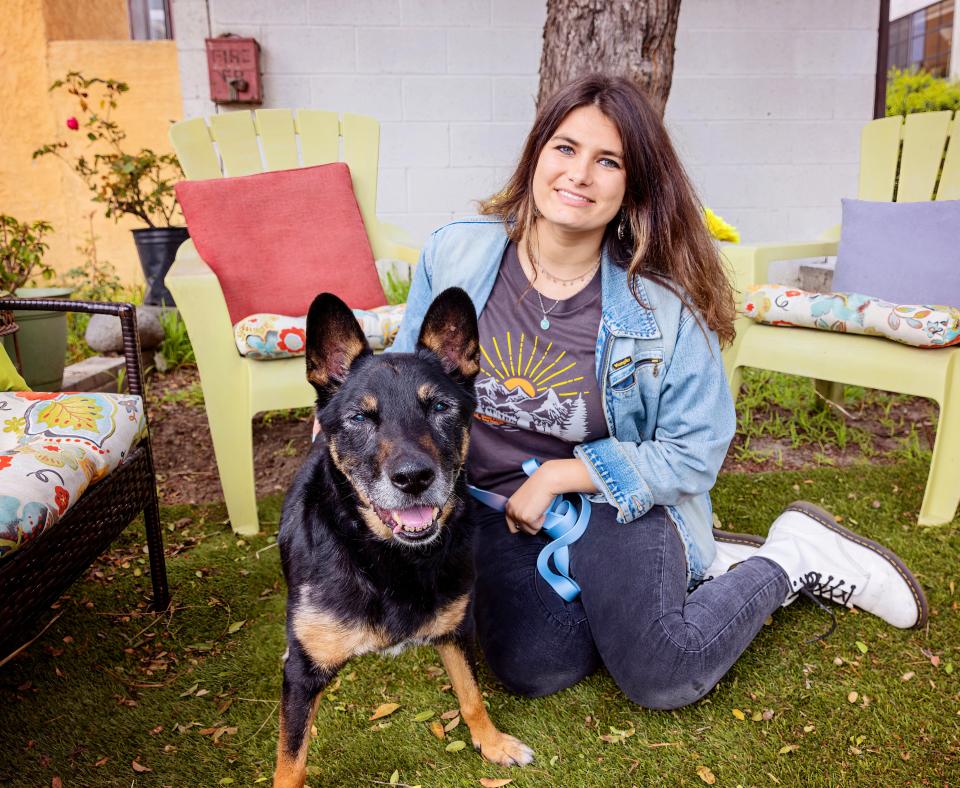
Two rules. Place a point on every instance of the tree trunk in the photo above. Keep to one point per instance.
(630, 38)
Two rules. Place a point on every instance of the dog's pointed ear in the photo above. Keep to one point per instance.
(450, 332)
(334, 341)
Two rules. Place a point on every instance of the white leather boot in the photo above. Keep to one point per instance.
(825, 559)
(731, 549)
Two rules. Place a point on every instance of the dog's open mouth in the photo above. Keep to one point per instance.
(413, 524)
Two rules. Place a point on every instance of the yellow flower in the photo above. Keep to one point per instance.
(16, 425)
(719, 229)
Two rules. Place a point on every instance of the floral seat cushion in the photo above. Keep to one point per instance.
(911, 324)
(54, 446)
(267, 336)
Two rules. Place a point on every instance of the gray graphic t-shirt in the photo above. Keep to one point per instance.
(537, 393)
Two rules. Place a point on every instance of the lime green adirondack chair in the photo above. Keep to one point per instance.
(236, 388)
(833, 359)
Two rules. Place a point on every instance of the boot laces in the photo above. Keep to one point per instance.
(813, 586)
(834, 589)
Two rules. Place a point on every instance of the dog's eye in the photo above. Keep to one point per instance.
(358, 417)
(440, 407)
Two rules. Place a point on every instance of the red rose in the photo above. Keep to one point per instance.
(73, 124)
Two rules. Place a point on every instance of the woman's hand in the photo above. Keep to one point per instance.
(526, 507)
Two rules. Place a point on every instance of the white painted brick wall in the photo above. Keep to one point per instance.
(766, 107)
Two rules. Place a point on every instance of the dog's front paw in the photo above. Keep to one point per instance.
(504, 749)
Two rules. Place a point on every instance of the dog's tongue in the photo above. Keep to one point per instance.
(415, 516)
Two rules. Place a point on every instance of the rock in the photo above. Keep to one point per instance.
(816, 278)
(104, 335)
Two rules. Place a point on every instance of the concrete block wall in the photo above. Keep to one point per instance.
(767, 101)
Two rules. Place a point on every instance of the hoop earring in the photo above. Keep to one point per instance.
(620, 227)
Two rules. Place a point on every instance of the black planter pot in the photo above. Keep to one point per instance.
(157, 247)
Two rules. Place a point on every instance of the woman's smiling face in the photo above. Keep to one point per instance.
(580, 179)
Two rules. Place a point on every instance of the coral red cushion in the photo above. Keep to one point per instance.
(276, 239)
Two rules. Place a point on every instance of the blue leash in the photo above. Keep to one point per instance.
(562, 523)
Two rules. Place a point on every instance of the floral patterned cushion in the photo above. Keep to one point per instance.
(912, 324)
(54, 446)
(266, 336)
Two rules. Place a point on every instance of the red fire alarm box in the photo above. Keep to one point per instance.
(234, 67)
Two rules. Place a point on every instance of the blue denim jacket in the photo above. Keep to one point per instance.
(664, 393)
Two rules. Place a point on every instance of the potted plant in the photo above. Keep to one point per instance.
(42, 337)
(136, 184)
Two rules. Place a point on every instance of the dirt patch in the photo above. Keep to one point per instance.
(183, 450)
(186, 470)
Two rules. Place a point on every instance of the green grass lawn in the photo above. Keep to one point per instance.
(112, 695)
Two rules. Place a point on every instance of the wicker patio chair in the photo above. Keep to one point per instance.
(35, 575)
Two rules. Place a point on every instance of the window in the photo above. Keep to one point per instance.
(922, 39)
(150, 20)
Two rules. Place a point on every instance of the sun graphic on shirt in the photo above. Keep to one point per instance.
(533, 370)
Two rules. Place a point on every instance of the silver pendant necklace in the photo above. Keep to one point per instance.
(545, 323)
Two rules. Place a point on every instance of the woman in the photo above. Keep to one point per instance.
(603, 304)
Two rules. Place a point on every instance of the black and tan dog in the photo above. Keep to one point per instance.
(374, 536)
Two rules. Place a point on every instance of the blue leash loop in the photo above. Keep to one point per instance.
(561, 522)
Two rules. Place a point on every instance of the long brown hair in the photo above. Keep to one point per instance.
(666, 238)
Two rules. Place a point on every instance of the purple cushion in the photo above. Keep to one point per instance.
(903, 252)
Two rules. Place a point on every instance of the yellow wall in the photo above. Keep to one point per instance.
(77, 20)
(46, 188)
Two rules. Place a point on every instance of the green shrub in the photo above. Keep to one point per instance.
(175, 350)
(910, 90)
(93, 280)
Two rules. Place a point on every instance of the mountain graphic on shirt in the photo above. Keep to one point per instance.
(528, 388)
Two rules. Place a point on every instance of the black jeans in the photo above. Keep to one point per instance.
(663, 646)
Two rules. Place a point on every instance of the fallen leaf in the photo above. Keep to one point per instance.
(768, 714)
(423, 716)
(808, 728)
(235, 626)
(907, 676)
(756, 716)
(384, 710)
(101, 761)
(189, 691)
(739, 714)
(395, 777)
(456, 746)
(449, 715)
(156, 730)
(226, 781)
(838, 661)
(554, 759)
(139, 767)
(201, 693)
(788, 748)
(704, 773)
(436, 728)
(56, 782)
(452, 724)
(862, 647)
(495, 782)
(852, 697)
(948, 668)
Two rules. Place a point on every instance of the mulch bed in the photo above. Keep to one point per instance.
(184, 457)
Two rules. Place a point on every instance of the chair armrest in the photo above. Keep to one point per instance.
(393, 242)
(128, 327)
(200, 300)
(749, 265)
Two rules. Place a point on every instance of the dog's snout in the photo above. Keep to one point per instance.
(412, 476)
